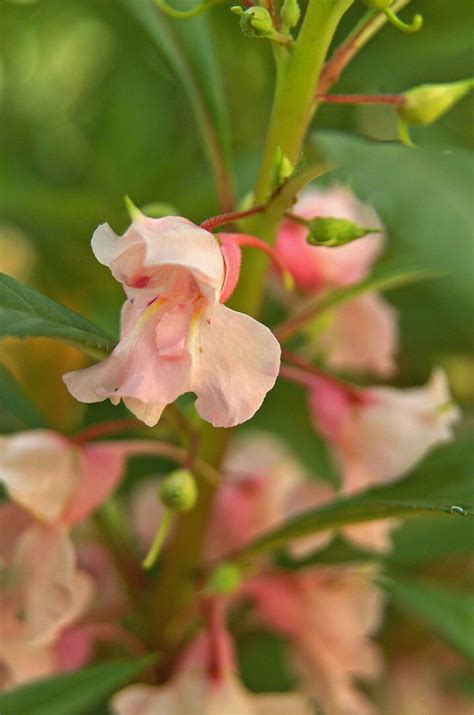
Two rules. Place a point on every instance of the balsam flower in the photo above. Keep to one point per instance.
(380, 433)
(59, 483)
(361, 334)
(42, 594)
(176, 336)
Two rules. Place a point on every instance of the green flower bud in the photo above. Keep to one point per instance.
(178, 491)
(255, 21)
(425, 104)
(329, 231)
(290, 13)
(225, 578)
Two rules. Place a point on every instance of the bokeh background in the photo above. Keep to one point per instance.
(90, 110)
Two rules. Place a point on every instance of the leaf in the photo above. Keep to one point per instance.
(448, 612)
(73, 693)
(16, 410)
(186, 49)
(26, 313)
(384, 277)
(423, 493)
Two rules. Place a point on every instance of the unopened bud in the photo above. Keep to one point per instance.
(290, 13)
(425, 104)
(255, 21)
(329, 231)
(178, 491)
(225, 578)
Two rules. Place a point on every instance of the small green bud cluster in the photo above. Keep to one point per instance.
(255, 21)
(178, 490)
(332, 232)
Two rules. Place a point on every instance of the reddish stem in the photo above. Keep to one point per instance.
(311, 371)
(105, 428)
(245, 239)
(395, 99)
(213, 610)
(211, 223)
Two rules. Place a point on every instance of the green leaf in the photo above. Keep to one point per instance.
(186, 49)
(25, 313)
(73, 693)
(448, 612)
(421, 494)
(385, 276)
(16, 410)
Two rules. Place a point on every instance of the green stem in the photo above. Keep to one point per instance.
(298, 69)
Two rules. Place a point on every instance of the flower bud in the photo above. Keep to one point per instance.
(329, 231)
(225, 578)
(290, 13)
(255, 21)
(425, 104)
(178, 491)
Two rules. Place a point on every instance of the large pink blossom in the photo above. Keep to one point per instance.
(176, 336)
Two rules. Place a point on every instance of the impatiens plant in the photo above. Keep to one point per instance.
(221, 507)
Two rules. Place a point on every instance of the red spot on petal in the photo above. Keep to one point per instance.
(141, 282)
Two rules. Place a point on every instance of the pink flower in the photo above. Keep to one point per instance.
(382, 434)
(361, 334)
(198, 688)
(329, 615)
(42, 593)
(318, 267)
(176, 336)
(59, 483)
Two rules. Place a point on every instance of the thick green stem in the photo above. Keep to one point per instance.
(298, 70)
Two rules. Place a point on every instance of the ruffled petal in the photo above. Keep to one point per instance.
(54, 592)
(39, 470)
(235, 363)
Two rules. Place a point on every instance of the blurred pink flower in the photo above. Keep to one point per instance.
(361, 334)
(176, 336)
(42, 593)
(198, 688)
(318, 267)
(328, 614)
(380, 433)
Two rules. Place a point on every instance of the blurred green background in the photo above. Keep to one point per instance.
(90, 110)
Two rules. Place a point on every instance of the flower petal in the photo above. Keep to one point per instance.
(39, 470)
(362, 336)
(54, 592)
(235, 362)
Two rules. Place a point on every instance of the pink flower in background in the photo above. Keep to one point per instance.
(42, 593)
(382, 434)
(361, 334)
(328, 614)
(176, 336)
(205, 683)
(318, 267)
